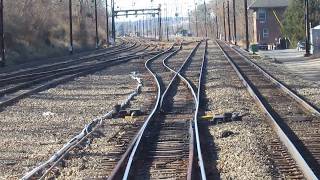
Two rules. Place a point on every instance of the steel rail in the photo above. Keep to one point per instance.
(129, 164)
(24, 77)
(133, 145)
(284, 87)
(77, 55)
(56, 74)
(70, 62)
(77, 140)
(130, 161)
(62, 70)
(196, 97)
(199, 152)
(176, 73)
(197, 100)
(304, 167)
(7, 80)
(55, 82)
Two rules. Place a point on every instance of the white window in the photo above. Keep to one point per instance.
(262, 15)
(265, 33)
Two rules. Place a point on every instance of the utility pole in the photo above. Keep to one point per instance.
(205, 18)
(160, 23)
(246, 24)
(234, 22)
(3, 60)
(107, 23)
(307, 24)
(70, 29)
(143, 25)
(229, 27)
(147, 25)
(167, 23)
(224, 21)
(113, 22)
(135, 28)
(155, 26)
(96, 19)
(195, 11)
(189, 25)
(217, 27)
(139, 27)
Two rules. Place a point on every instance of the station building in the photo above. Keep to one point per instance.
(267, 15)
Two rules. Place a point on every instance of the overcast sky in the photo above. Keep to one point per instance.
(173, 6)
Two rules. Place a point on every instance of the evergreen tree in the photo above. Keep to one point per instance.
(294, 23)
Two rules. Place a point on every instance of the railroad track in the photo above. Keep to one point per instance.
(117, 142)
(67, 67)
(164, 146)
(25, 74)
(120, 143)
(16, 86)
(194, 74)
(126, 48)
(296, 121)
(56, 63)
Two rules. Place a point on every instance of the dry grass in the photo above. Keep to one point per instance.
(40, 28)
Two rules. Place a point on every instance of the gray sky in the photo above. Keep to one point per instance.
(173, 6)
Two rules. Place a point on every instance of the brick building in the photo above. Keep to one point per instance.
(267, 17)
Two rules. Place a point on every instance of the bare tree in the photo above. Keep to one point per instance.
(36, 28)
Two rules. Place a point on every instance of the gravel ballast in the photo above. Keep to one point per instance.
(34, 128)
(285, 72)
(93, 161)
(244, 154)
